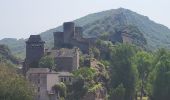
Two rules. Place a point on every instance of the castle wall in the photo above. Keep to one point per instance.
(71, 37)
(58, 39)
(64, 63)
(78, 33)
(40, 83)
(84, 46)
(76, 60)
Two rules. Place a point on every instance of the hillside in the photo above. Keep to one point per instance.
(6, 56)
(94, 25)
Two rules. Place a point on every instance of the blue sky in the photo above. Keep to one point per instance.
(21, 18)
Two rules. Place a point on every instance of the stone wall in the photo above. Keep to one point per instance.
(71, 37)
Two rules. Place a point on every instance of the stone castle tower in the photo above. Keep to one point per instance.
(71, 37)
(34, 51)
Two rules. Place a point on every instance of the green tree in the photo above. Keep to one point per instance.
(46, 62)
(96, 52)
(122, 70)
(143, 61)
(86, 74)
(161, 79)
(14, 86)
(118, 93)
(61, 90)
(84, 81)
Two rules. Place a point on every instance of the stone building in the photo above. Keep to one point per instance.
(65, 59)
(44, 79)
(34, 52)
(72, 37)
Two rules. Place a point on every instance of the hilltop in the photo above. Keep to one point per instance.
(144, 30)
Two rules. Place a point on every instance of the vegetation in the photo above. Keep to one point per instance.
(14, 86)
(60, 89)
(122, 70)
(160, 87)
(143, 61)
(46, 62)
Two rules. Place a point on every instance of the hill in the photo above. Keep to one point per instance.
(107, 22)
(6, 56)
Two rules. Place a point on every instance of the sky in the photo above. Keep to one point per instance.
(21, 18)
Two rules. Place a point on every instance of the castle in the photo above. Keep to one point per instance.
(72, 37)
(67, 46)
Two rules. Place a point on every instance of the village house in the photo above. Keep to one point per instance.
(44, 79)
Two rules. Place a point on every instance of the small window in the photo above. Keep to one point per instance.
(64, 79)
(61, 79)
(38, 80)
(38, 89)
(69, 79)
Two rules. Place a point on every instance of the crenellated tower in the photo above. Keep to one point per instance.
(34, 50)
(69, 31)
(58, 39)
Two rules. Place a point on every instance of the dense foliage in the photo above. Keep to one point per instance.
(122, 70)
(46, 62)
(14, 86)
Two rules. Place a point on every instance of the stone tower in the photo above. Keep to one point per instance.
(78, 33)
(58, 39)
(69, 31)
(34, 50)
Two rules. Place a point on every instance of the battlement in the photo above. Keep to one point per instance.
(70, 37)
(68, 26)
(35, 39)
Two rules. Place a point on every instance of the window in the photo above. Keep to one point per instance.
(38, 80)
(61, 79)
(69, 79)
(38, 89)
(64, 79)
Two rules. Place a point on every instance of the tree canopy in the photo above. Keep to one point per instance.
(14, 86)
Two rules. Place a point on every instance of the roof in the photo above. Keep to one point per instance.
(35, 38)
(64, 52)
(47, 71)
(64, 74)
(40, 70)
